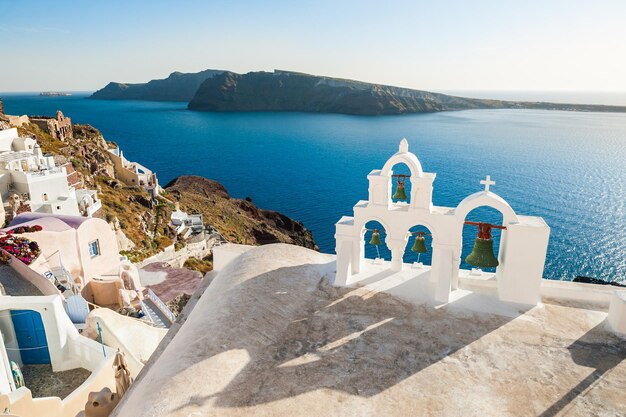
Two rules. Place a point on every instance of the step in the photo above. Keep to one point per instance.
(154, 314)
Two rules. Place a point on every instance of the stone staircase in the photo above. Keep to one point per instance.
(156, 311)
(153, 314)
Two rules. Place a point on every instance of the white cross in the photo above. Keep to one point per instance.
(487, 182)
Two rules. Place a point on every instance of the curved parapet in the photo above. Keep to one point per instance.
(137, 339)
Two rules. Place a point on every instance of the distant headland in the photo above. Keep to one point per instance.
(287, 91)
(177, 87)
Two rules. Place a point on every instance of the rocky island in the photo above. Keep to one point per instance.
(177, 87)
(288, 91)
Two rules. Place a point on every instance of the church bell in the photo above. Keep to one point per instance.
(482, 254)
(400, 193)
(419, 245)
(375, 238)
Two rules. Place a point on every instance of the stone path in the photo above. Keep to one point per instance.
(43, 382)
(13, 284)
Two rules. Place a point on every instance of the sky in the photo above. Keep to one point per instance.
(431, 45)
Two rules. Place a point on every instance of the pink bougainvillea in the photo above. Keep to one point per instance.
(23, 249)
(25, 229)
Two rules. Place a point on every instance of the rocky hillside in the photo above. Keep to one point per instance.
(146, 225)
(177, 87)
(4, 122)
(237, 220)
(291, 91)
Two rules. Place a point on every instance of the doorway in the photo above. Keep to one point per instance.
(31, 337)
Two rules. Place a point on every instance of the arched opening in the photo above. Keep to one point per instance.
(482, 214)
(373, 251)
(401, 179)
(414, 252)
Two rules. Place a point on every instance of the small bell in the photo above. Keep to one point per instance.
(482, 254)
(375, 238)
(419, 245)
(400, 194)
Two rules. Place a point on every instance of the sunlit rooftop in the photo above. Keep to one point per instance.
(270, 336)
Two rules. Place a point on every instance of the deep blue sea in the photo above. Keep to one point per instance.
(567, 167)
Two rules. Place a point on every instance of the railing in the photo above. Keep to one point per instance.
(64, 275)
(45, 172)
(150, 323)
(70, 279)
(161, 306)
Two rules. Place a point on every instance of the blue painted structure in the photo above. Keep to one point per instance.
(31, 337)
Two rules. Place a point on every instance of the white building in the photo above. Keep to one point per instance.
(85, 247)
(35, 330)
(27, 176)
(88, 202)
(133, 173)
(40, 326)
(186, 224)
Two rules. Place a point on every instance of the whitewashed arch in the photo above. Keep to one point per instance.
(403, 156)
(488, 199)
(434, 233)
(361, 226)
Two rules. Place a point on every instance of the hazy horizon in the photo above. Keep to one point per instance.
(609, 98)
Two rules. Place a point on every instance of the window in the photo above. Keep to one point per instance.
(94, 248)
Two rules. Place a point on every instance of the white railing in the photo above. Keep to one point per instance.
(43, 173)
(60, 274)
(161, 306)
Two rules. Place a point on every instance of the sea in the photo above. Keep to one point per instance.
(567, 167)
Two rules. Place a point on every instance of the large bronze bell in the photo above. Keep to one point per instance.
(419, 245)
(400, 194)
(482, 254)
(375, 238)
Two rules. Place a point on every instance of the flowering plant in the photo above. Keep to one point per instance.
(23, 249)
(25, 229)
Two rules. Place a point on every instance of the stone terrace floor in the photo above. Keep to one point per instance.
(168, 282)
(43, 382)
(12, 284)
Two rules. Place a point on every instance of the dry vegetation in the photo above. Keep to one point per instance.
(203, 265)
(126, 208)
